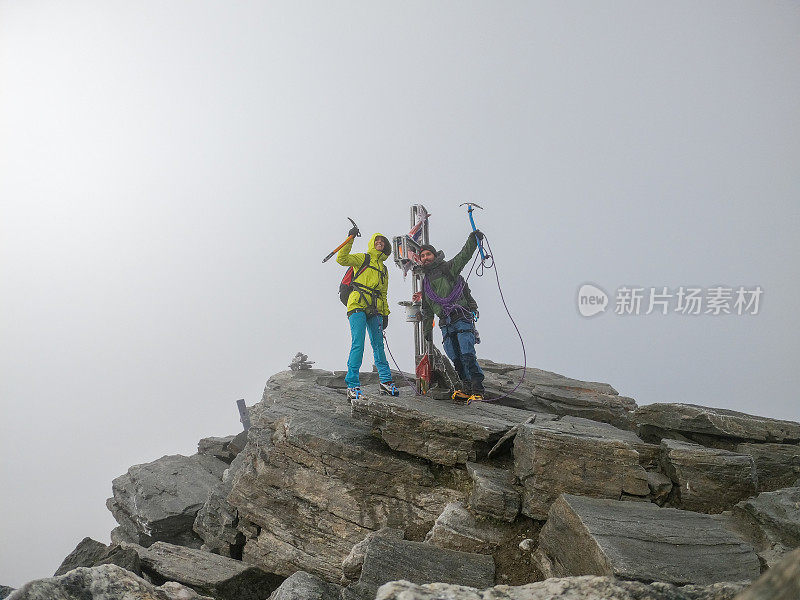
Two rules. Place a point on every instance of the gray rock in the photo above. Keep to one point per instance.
(305, 586)
(351, 566)
(314, 482)
(160, 500)
(699, 422)
(458, 529)
(5, 591)
(707, 479)
(216, 522)
(639, 541)
(777, 465)
(575, 456)
(660, 487)
(85, 554)
(391, 560)
(771, 522)
(493, 492)
(546, 392)
(567, 588)
(442, 432)
(218, 447)
(122, 556)
(106, 582)
(781, 582)
(209, 574)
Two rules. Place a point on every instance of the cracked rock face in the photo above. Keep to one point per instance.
(442, 432)
(159, 500)
(577, 457)
(707, 479)
(314, 482)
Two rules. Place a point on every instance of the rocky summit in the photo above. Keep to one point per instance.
(562, 490)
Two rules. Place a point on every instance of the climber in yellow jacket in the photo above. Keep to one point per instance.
(367, 309)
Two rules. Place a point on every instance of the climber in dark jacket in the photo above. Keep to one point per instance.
(446, 295)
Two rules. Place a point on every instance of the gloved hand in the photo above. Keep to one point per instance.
(354, 232)
(478, 234)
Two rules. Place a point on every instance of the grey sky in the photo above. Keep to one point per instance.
(171, 175)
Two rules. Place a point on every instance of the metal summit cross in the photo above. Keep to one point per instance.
(406, 250)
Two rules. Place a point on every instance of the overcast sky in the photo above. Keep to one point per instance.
(172, 174)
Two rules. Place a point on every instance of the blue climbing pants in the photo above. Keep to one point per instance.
(458, 340)
(359, 323)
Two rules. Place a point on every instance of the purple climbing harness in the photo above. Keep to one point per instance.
(449, 304)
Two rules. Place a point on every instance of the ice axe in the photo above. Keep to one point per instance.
(472, 222)
(339, 247)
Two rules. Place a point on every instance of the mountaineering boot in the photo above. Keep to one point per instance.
(388, 388)
(354, 393)
(462, 392)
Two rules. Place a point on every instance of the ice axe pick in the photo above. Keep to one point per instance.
(349, 237)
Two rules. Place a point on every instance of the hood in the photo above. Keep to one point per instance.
(373, 252)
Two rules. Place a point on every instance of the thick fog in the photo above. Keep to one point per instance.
(173, 173)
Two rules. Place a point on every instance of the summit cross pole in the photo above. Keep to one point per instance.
(420, 345)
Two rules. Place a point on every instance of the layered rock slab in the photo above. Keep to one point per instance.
(576, 456)
(209, 574)
(642, 542)
(566, 588)
(159, 500)
(707, 479)
(548, 392)
(442, 432)
(389, 560)
(706, 425)
(86, 554)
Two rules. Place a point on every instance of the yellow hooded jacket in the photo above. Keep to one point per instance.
(375, 277)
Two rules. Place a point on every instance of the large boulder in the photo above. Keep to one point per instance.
(159, 500)
(547, 392)
(566, 588)
(640, 541)
(707, 480)
(314, 482)
(781, 582)
(210, 574)
(5, 591)
(771, 522)
(576, 456)
(106, 582)
(85, 554)
(442, 432)
(305, 586)
(494, 493)
(777, 465)
(711, 426)
(390, 560)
